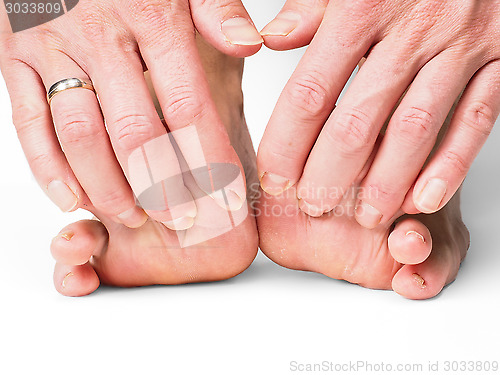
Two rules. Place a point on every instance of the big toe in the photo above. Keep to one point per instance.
(427, 279)
(72, 248)
(410, 242)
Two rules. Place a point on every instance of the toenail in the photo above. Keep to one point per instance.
(419, 280)
(67, 235)
(69, 274)
(239, 31)
(62, 195)
(274, 184)
(416, 234)
(367, 215)
(432, 195)
(282, 25)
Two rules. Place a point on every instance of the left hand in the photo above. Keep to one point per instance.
(434, 50)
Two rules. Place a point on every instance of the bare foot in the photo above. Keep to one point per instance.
(416, 256)
(91, 252)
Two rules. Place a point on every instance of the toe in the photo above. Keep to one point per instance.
(426, 280)
(76, 243)
(410, 242)
(75, 281)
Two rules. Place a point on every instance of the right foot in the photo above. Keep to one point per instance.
(404, 257)
(91, 252)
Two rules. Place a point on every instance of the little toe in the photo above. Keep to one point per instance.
(75, 281)
(427, 279)
(76, 243)
(410, 242)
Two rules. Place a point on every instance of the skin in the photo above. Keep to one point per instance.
(93, 252)
(416, 256)
(112, 43)
(434, 51)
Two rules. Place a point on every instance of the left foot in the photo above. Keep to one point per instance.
(91, 252)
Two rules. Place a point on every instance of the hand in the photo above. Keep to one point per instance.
(432, 50)
(82, 162)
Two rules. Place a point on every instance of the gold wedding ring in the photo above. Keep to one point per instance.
(68, 84)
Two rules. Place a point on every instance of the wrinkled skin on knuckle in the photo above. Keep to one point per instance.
(351, 132)
(413, 126)
(183, 105)
(150, 19)
(78, 127)
(308, 95)
(40, 163)
(385, 193)
(479, 117)
(109, 201)
(132, 131)
(455, 162)
(27, 116)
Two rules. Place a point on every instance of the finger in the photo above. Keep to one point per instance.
(227, 26)
(295, 25)
(410, 242)
(410, 136)
(75, 281)
(80, 127)
(35, 129)
(348, 137)
(190, 112)
(77, 242)
(470, 126)
(308, 99)
(138, 137)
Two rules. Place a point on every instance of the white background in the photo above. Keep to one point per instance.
(257, 322)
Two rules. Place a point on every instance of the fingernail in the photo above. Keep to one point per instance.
(274, 184)
(67, 235)
(412, 233)
(367, 215)
(62, 195)
(66, 279)
(432, 195)
(228, 199)
(133, 218)
(240, 31)
(282, 25)
(310, 209)
(181, 223)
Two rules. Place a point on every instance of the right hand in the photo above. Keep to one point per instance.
(112, 43)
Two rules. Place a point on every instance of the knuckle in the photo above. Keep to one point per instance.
(40, 162)
(132, 131)
(455, 162)
(479, 117)
(183, 105)
(77, 126)
(413, 124)
(28, 116)
(351, 132)
(155, 14)
(110, 202)
(382, 192)
(311, 96)
(281, 154)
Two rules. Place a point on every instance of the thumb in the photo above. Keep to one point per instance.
(295, 25)
(226, 25)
